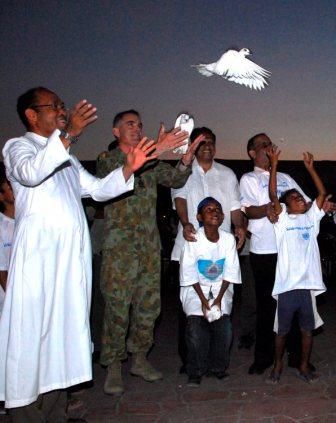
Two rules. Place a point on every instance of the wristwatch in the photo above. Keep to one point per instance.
(67, 136)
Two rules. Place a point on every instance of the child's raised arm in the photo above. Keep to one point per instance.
(308, 160)
(273, 154)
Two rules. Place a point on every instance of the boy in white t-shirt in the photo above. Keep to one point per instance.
(208, 268)
(6, 232)
(298, 272)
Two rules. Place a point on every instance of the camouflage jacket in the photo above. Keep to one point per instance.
(131, 217)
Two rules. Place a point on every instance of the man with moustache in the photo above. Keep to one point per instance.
(208, 178)
(130, 276)
(45, 343)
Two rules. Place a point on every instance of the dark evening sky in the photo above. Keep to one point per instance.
(137, 54)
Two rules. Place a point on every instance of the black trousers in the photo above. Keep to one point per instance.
(49, 407)
(263, 266)
(208, 345)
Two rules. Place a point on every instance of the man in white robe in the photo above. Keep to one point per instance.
(45, 342)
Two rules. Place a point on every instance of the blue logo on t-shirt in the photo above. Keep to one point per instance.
(209, 269)
(306, 236)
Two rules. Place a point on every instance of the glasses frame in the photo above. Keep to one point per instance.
(55, 107)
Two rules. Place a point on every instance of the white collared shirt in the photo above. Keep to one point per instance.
(254, 192)
(218, 182)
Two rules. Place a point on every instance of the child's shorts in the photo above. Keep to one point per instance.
(298, 300)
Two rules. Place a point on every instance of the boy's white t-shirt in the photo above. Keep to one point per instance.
(254, 192)
(6, 237)
(299, 264)
(208, 263)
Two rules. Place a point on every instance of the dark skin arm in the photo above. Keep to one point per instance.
(273, 155)
(218, 299)
(182, 212)
(3, 279)
(238, 221)
(308, 160)
(80, 116)
(258, 212)
(204, 301)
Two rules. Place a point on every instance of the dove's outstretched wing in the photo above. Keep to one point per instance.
(235, 67)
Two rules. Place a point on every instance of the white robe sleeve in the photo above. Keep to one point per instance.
(104, 189)
(30, 167)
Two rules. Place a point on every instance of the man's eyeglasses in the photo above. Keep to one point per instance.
(54, 106)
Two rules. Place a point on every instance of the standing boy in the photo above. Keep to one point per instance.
(208, 269)
(298, 272)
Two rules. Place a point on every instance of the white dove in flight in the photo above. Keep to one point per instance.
(234, 66)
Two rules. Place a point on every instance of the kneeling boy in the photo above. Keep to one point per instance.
(208, 268)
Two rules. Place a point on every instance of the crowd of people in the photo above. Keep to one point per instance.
(46, 258)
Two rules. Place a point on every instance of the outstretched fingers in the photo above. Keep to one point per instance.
(148, 147)
(82, 115)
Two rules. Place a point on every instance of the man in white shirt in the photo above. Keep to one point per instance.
(208, 179)
(263, 249)
(45, 343)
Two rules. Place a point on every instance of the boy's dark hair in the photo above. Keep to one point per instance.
(202, 131)
(250, 142)
(118, 117)
(204, 203)
(26, 101)
(286, 194)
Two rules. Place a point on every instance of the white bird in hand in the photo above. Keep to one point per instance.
(234, 66)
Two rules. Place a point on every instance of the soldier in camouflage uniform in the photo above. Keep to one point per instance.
(130, 273)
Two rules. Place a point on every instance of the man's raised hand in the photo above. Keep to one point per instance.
(308, 160)
(273, 154)
(80, 116)
(188, 157)
(138, 156)
(167, 141)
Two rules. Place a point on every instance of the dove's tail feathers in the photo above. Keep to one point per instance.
(204, 69)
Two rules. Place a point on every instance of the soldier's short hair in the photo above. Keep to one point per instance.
(119, 116)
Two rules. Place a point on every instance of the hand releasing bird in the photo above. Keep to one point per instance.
(234, 66)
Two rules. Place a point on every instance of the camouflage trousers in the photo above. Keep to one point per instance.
(130, 284)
